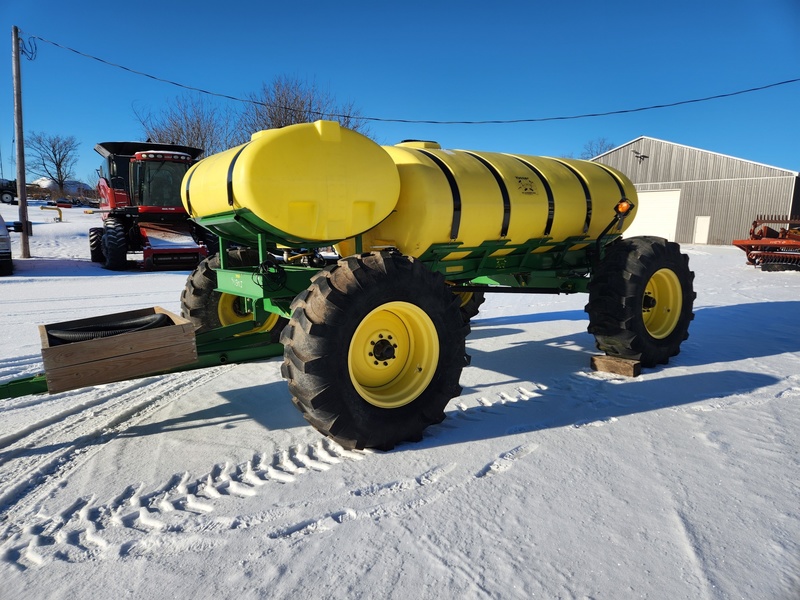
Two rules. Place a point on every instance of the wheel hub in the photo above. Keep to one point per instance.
(383, 349)
(393, 354)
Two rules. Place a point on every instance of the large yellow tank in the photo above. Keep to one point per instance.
(322, 183)
(312, 182)
(473, 197)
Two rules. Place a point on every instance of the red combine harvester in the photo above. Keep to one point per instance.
(140, 200)
(771, 248)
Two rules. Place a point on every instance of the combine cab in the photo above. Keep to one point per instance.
(774, 243)
(139, 191)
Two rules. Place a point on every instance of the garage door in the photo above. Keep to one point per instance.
(656, 214)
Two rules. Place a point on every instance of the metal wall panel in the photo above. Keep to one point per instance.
(730, 190)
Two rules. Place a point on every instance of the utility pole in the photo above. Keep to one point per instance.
(22, 193)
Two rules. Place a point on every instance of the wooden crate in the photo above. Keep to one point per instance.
(72, 365)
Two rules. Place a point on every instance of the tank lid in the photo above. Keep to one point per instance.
(423, 144)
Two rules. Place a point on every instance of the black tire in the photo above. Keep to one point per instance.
(96, 245)
(114, 246)
(7, 198)
(209, 309)
(641, 299)
(6, 267)
(374, 350)
(470, 304)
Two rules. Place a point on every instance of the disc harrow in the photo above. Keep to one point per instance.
(774, 243)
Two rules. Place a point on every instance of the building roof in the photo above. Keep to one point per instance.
(787, 172)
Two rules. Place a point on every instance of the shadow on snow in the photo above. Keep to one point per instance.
(568, 394)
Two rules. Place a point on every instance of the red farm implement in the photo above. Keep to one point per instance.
(774, 243)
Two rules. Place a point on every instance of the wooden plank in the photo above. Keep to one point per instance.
(616, 365)
(78, 353)
(121, 368)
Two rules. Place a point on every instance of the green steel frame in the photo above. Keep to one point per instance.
(540, 265)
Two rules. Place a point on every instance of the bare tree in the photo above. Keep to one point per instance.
(288, 100)
(51, 156)
(596, 147)
(198, 122)
(191, 121)
(92, 180)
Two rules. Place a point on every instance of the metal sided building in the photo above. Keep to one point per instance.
(695, 196)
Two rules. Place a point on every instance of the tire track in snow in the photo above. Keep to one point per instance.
(486, 406)
(49, 448)
(181, 512)
(182, 507)
(506, 460)
(20, 366)
(421, 497)
(424, 489)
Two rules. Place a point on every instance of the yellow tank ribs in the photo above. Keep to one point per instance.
(318, 184)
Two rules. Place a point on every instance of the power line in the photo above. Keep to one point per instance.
(430, 121)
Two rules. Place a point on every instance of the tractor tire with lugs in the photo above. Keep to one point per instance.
(470, 304)
(374, 350)
(640, 300)
(114, 245)
(96, 245)
(209, 309)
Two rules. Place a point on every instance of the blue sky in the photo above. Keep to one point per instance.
(428, 60)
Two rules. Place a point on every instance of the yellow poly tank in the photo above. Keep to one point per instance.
(473, 197)
(322, 184)
(314, 182)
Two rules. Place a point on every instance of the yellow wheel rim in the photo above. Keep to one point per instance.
(393, 355)
(230, 312)
(465, 297)
(662, 303)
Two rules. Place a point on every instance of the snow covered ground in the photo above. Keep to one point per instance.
(547, 480)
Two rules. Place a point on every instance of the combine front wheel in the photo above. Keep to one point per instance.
(640, 300)
(374, 350)
(114, 245)
(96, 245)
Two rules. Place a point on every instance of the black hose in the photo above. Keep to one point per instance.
(91, 332)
